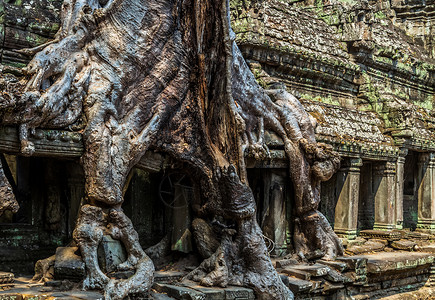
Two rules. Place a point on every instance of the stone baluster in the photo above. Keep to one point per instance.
(346, 210)
(426, 192)
(385, 196)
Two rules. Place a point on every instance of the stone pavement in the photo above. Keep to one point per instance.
(378, 275)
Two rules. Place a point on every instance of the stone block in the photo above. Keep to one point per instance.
(285, 262)
(111, 253)
(359, 241)
(396, 261)
(426, 248)
(367, 247)
(210, 293)
(234, 293)
(156, 296)
(314, 270)
(330, 287)
(357, 279)
(381, 234)
(337, 265)
(379, 241)
(419, 235)
(336, 277)
(403, 245)
(68, 265)
(179, 292)
(299, 285)
(167, 276)
(297, 273)
(354, 262)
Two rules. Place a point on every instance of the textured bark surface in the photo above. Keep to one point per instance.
(166, 75)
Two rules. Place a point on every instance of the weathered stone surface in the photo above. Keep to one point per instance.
(365, 248)
(285, 262)
(157, 296)
(331, 287)
(111, 253)
(68, 265)
(314, 270)
(234, 293)
(359, 241)
(210, 293)
(179, 292)
(336, 277)
(299, 285)
(337, 265)
(379, 241)
(396, 261)
(403, 245)
(297, 273)
(167, 276)
(426, 248)
(354, 262)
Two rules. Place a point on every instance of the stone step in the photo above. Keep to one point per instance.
(297, 273)
(178, 292)
(331, 287)
(337, 265)
(167, 276)
(381, 234)
(315, 270)
(336, 277)
(369, 246)
(403, 245)
(192, 291)
(239, 293)
(298, 285)
(285, 262)
(156, 296)
(210, 293)
(426, 248)
(354, 262)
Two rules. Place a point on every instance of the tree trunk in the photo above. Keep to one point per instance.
(166, 75)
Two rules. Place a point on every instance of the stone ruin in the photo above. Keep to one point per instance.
(364, 70)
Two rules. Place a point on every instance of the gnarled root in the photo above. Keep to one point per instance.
(242, 258)
(7, 197)
(88, 235)
(139, 283)
(314, 237)
(92, 224)
(44, 269)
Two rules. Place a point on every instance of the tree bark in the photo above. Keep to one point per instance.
(166, 75)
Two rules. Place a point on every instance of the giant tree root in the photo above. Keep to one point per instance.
(7, 197)
(241, 258)
(92, 224)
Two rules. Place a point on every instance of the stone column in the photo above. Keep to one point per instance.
(273, 217)
(400, 168)
(75, 193)
(385, 196)
(426, 192)
(346, 210)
